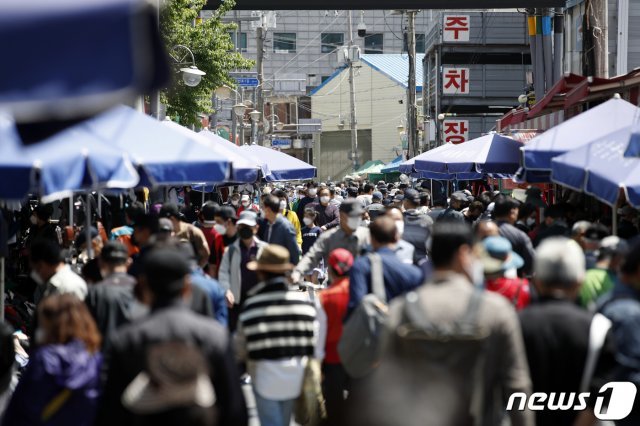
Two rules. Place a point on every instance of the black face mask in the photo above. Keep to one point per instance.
(245, 233)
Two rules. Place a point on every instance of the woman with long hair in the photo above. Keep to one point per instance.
(60, 386)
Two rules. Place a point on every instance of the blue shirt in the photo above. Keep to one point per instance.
(399, 277)
(215, 293)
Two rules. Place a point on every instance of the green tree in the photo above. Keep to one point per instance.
(212, 48)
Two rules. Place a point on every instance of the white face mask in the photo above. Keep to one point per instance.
(36, 278)
(531, 221)
(33, 219)
(234, 202)
(400, 227)
(220, 229)
(245, 203)
(283, 205)
(325, 199)
(354, 222)
(307, 221)
(311, 192)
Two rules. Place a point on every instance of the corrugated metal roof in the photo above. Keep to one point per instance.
(396, 67)
(393, 65)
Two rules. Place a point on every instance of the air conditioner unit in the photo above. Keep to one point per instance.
(354, 54)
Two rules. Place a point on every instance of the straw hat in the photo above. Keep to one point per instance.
(272, 258)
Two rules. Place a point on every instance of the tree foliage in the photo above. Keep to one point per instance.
(212, 48)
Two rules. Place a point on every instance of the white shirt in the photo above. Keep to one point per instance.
(66, 281)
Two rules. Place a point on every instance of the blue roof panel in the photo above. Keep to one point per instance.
(396, 67)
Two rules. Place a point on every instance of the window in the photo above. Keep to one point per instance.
(325, 78)
(243, 41)
(331, 41)
(420, 46)
(373, 43)
(284, 42)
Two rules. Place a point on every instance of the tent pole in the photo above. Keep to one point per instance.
(2, 289)
(87, 226)
(614, 220)
(99, 195)
(431, 198)
(71, 211)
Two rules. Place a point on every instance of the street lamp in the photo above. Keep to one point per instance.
(190, 75)
(255, 116)
(238, 110)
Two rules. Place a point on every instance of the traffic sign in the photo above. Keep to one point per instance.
(247, 82)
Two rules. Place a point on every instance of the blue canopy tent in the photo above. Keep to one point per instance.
(633, 149)
(282, 166)
(393, 166)
(600, 169)
(580, 130)
(162, 155)
(66, 162)
(98, 53)
(408, 168)
(242, 170)
(253, 163)
(491, 153)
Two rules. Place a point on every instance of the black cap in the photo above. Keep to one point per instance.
(412, 195)
(459, 196)
(279, 193)
(115, 252)
(351, 207)
(227, 212)
(387, 202)
(209, 210)
(82, 236)
(170, 210)
(165, 269)
(352, 192)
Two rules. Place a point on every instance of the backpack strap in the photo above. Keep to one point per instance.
(377, 277)
(598, 330)
(473, 307)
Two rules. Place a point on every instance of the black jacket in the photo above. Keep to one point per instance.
(175, 322)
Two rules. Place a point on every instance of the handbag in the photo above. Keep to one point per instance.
(309, 408)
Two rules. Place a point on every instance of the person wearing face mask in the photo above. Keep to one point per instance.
(247, 204)
(234, 201)
(310, 197)
(526, 218)
(112, 302)
(398, 277)
(328, 215)
(214, 239)
(349, 235)
(187, 232)
(404, 250)
(234, 276)
(40, 228)
(431, 371)
(289, 214)
(51, 274)
(226, 219)
(275, 229)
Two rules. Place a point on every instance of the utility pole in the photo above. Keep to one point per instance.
(352, 99)
(412, 113)
(261, 33)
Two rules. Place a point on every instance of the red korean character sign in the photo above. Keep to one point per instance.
(456, 28)
(455, 81)
(455, 131)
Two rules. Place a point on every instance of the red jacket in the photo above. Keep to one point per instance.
(516, 290)
(334, 302)
(216, 246)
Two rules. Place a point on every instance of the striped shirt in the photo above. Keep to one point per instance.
(278, 322)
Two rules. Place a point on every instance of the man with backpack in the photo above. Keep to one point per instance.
(451, 354)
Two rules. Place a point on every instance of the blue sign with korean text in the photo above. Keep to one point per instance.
(247, 82)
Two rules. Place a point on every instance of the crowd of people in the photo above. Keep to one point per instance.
(340, 304)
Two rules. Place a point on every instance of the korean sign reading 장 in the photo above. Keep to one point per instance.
(456, 28)
(455, 131)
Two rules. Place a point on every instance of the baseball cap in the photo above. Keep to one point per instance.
(377, 195)
(398, 197)
(341, 261)
(245, 197)
(248, 218)
(351, 207)
(169, 210)
(114, 251)
(165, 225)
(412, 195)
(227, 212)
